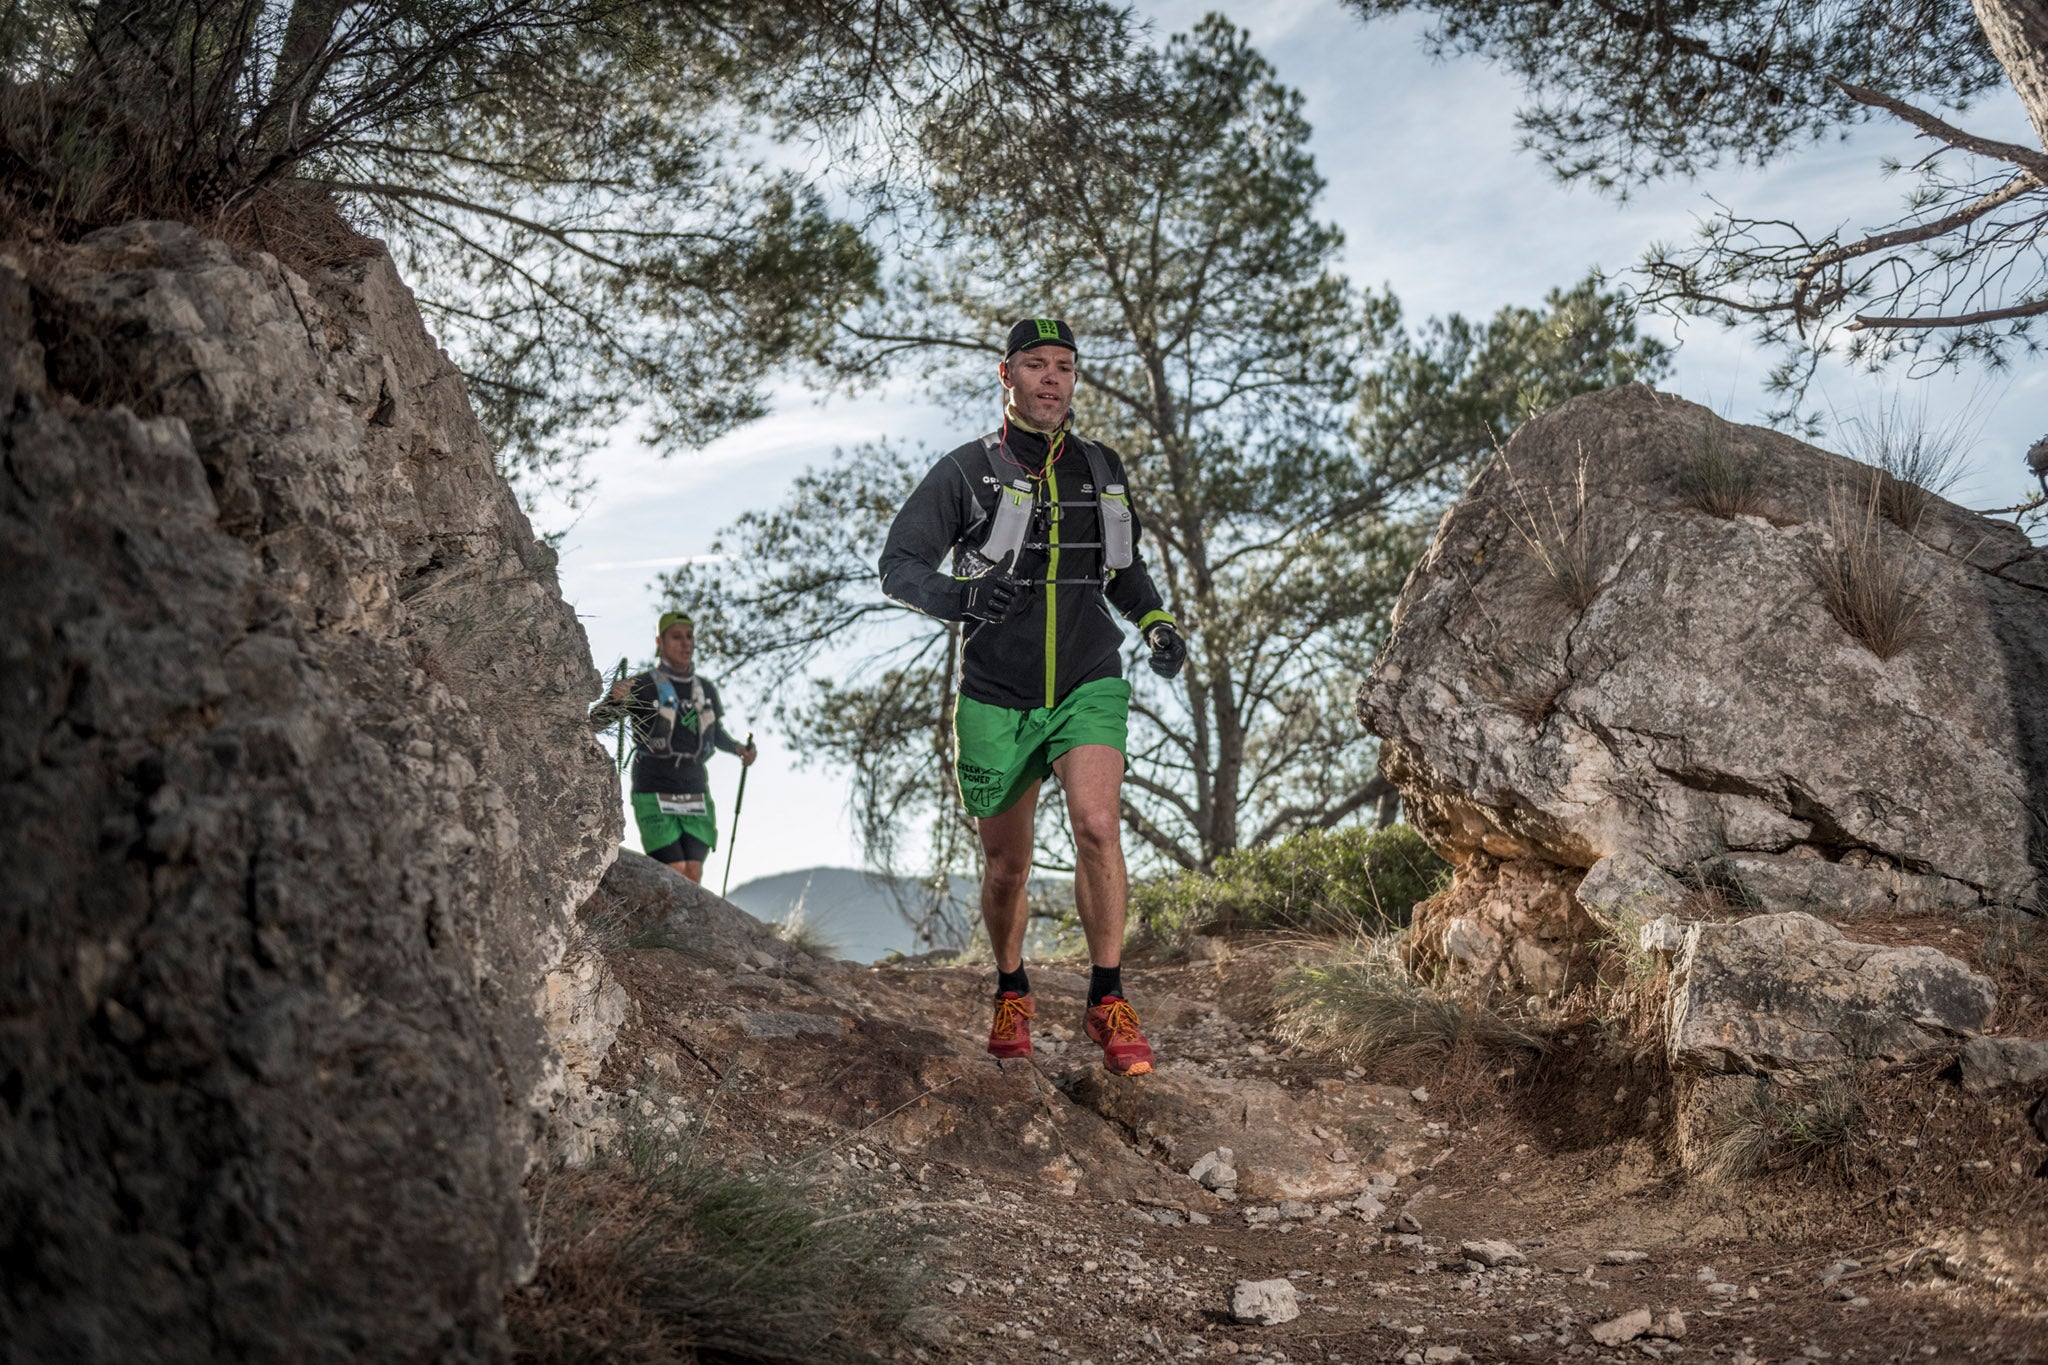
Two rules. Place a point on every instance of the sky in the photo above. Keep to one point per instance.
(1435, 201)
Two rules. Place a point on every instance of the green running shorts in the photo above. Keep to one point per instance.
(1003, 751)
(661, 830)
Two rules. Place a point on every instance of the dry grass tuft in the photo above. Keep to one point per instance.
(799, 932)
(1917, 460)
(662, 1253)
(1560, 541)
(1720, 479)
(1779, 1126)
(1364, 1005)
(1871, 586)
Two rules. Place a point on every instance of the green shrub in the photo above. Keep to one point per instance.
(1347, 881)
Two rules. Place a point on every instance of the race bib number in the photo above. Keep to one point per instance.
(669, 803)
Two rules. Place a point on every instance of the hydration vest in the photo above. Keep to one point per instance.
(1016, 521)
(668, 702)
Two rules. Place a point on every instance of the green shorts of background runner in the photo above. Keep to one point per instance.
(686, 838)
(1003, 751)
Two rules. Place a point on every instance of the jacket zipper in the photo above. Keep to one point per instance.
(1052, 591)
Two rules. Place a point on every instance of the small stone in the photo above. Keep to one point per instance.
(1215, 1170)
(1837, 1271)
(1670, 1326)
(1295, 1210)
(1661, 935)
(1721, 1289)
(1625, 1328)
(1493, 1252)
(1619, 1257)
(1408, 1223)
(1420, 1095)
(1444, 1355)
(1268, 1303)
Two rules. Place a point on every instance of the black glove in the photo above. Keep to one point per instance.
(995, 596)
(1169, 651)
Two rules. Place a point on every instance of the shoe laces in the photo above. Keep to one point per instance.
(1010, 1013)
(1120, 1021)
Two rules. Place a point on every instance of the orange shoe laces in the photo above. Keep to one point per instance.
(1120, 1022)
(1010, 1014)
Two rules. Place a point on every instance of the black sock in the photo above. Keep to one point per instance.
(1013, 981)
(1104, 981)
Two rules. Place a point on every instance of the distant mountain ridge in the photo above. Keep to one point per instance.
(855, 911)
(849, 908)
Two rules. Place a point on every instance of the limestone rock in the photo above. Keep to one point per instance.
(1266, 1303)
(644, 903)
(582, 1006)
(299, 798)
(1626, 1328)
(1787, 993)
(1705, 703)
(1493, 1252)
(1213, 1170)
(1662, 936)
(1996, 1063)
(1624, 889)
(1515, 924)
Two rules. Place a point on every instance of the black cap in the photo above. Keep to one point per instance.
(1040, 332)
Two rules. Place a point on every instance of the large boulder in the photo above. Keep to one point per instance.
(1788, 995)
(299, 800)
(1690, 700)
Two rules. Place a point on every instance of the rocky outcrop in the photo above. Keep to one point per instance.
(1787, 994)
(299, 800)
(1514, 925)
(1990, 1064)
(1690, 698)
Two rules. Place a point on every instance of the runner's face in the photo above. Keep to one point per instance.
(678, 646)
(1041, 384)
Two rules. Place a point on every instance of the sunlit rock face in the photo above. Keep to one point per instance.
(1589, 664)
(299, 801)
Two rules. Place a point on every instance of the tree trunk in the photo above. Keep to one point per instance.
(301, 62)
(2018, 31)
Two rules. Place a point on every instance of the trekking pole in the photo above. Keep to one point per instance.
(739, 800)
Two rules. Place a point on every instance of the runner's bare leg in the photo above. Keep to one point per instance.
(1093, 776)
(1006, 844)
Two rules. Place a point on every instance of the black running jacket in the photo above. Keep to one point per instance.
(1063, 636)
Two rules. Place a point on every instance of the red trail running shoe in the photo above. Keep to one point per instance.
(1114, 1024)
(1010, 1035)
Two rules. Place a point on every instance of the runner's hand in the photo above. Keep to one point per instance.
(748, 755)
(995, 596)
(1169, 651)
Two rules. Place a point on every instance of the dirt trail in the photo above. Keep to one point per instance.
(1061, 1223)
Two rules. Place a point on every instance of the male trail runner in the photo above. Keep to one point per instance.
(1044, 543)
(676, 719)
